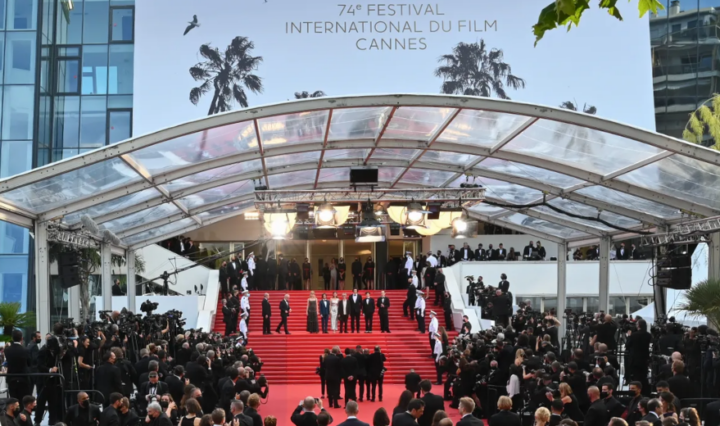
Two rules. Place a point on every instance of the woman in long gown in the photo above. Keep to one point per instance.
(333, 275)
(334, 302)
(312, 313)
(307, 273)
(369, 274)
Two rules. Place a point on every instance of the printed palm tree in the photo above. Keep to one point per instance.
(471, 69)
(579, 133)
(227, 74)
(587, 109)
(306, 95)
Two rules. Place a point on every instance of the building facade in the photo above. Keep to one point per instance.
(66, 87)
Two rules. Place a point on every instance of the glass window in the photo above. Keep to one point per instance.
(14, 276)
(13, 239)
(97, 17)
(93, 121)
(593, 304)
(69, 23)
(48, 14)
(67, 76)
(2, 53)
(534, 302)
(15, 157)
(120, 125)
(122, 24)
(58, 300)
(21, 14)
(12, 285)
(121, 69)
(636, 303)
(95, 70)
(45, 124)
(2, 14)
(119, 101)
(44, 76)
(576, 304)
(68, 51)
(17, 121)
(616, 305)
(549, 303)
(43, 157)
(20, 58)
(67, 122)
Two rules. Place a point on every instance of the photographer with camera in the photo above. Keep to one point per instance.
(637, 348)
(605, 333)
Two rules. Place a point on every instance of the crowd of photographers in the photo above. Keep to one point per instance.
(142, 369)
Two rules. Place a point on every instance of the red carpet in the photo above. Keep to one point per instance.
(283, 399)
(293, 359)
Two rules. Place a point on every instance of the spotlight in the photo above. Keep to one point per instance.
(278, 228)
(463, 228)
(325, 216)
(370, 230)
(415, 216)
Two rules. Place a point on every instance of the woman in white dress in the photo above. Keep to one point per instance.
(334, 311)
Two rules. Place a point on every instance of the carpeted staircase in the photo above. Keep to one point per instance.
(293, 359)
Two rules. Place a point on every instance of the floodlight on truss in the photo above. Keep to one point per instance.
(466, 197)
(325, 217)
(683, 233)
(462, 227)
(370, 230)
(415, 216)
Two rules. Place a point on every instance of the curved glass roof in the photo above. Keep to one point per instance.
(191, 175)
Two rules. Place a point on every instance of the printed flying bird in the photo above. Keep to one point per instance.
(194, 23)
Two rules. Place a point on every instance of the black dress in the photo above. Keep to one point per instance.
(369, 271)
(306, 268)
(312, 317)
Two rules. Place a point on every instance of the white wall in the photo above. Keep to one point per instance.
(158, 259)
(540, 278)
(441, 241)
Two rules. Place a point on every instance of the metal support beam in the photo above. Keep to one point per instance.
(512, 135)
(714, 256)
(380, 134)
(515, 227)
(564, 222)
(74, 302)
(561, 285)
(42, 278)
(106, 275)
(604, 287)
(131, 271)
(657, 157)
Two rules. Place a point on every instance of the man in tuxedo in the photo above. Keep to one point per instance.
(409, 418)
(466, 254)
(540, 250)
(501, 308)
(357, 271)
(272, 273)
(621, 252)
(504, 284)
(376, 372)
(368, 310)
(116, 289)
(653, 411)
(433, 403)
(351, 409)
(355, 304)
(529, 252)
(480, 252)
(453, 255)
(439, 288)
(362, 360)
(490, 254)
(304, 414)
(266, 313)
(500, 253)
(227, 317)
(597, 414)
(151, 389)
(349, 374)
(18, 362)
(412, 382)
(466, 406)
(109, 416)
(236, 412)
(176, 382)
(333, 374)
(383, 305)
(191, 250)
(556, 412)
(634, 253)
(614, 407)
(284, 312)
(107, 377)
(343, 313)
(680, 385)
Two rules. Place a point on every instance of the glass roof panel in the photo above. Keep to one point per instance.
(72, 186)
(214, 174)
(548, 177)
(394, 154)
(197, 147)
(544, 226)
(445, 157)
(240, 206)
(585, 148)
(168, 229)
(113, 205)
(612, 196)
(487, 209)
(357, 123)
(680, 177)
(416, 123)
(481, 128)
(142, 217)
(585, 210)
(286, 160)
(389, 174)
(426, 177)
(338, 174)
(284, 180)
(510, 192)
(344, 154)
(219, 193)
(290, 129)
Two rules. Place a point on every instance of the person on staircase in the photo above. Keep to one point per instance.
(295, 275)
(411, 297)
(383, 305)
(334, 309)
(447, 308)
(368, 311)
(439, 288)
(324, 312)
(307, 273)
(311, 312)
(227, 317)
(333, 374)
(420, 311)
(362, 372)
(369, 274)
(284, 312)
(349, 366)
(376, 372)
(344, 313)
(357, 273)
(245, 303)
(266, 313)
(342, 269)
(355, 304)
(432, 329)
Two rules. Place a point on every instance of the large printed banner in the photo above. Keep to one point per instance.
(194, 58)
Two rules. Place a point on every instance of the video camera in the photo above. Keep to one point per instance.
(148, 307)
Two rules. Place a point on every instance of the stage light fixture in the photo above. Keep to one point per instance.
(325, 216)
(464, 228)
(370, 230)
(415, 216)
(279, 228)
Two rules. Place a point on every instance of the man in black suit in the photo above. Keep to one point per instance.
(237, 412)
(500, 253)
(357, 272)
(409, 418)
(116, 289)
(352, 411)
(197, 372)
(355, 306)
(556, 412)
(107, 377)
(176, 382)
(621, 252)
(466, 406)
(637, 354)
(18, 362)
(504, 284)
(614, 407)
(712, 414)
(343, 313)
(253, 403)
(266, 313)
(227, 317)
(80, 414)
(376, 371)
(466, 254)
(433, 403)
(284, 312)
(368, 310)
(651, 408)
(350, 371)
(151, 389)
(501, 308)
(227, 391)
(333, 374)
(680, 385)
(597, 414)
(304, 414)
(480, 252)
(412, 382)
(361, 372)
(383, 305)
(504, 417)
(529, 252)
(109, 416)
(157, 416)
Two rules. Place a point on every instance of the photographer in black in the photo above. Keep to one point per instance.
(637, 358)
(57, 356)
(605, 333)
